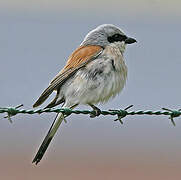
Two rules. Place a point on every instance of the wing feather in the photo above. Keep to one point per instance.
(79, 58)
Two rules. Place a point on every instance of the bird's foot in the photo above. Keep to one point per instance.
(96, 111)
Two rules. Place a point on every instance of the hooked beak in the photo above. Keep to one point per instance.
(130, 40)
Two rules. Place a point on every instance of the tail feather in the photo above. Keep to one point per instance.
(53, 129)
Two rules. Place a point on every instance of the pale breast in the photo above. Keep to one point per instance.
(100, 80)
(117, 75)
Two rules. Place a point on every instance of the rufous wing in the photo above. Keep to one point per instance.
(78, 59)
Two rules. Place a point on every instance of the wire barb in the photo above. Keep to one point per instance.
(12, 112)
(121, 113)
(173, 114)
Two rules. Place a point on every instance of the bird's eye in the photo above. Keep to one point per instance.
(116, 37)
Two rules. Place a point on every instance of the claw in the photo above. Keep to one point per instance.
(96, 110)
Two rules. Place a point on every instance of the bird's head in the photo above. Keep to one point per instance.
(105, 34)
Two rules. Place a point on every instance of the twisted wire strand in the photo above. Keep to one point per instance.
(121, 113)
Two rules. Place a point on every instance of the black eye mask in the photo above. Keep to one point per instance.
(116, 38)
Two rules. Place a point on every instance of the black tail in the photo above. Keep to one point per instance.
(44, 145)
(53, 129)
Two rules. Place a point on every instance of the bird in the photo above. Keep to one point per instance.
(94, 73)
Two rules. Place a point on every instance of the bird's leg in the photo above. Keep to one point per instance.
(96, 110)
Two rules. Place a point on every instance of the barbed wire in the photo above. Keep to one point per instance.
(121, 113)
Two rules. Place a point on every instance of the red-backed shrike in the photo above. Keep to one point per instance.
(94, 72)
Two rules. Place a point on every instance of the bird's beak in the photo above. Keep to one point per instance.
(130, 40)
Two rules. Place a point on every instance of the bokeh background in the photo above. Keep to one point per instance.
(37, 36)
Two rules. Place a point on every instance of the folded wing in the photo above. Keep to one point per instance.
(79, 58)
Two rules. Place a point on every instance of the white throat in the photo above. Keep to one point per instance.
(121, 46)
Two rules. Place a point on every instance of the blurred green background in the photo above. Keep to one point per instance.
(36, 37)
